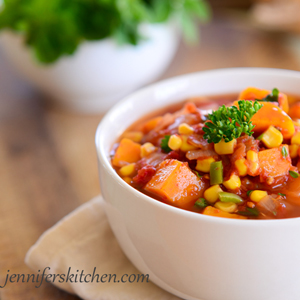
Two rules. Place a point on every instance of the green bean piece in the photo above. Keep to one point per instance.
(229, 197)
(216, 172)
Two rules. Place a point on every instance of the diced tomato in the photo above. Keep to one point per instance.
(144, 175)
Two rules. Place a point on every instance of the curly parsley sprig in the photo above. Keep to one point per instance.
(229, 123)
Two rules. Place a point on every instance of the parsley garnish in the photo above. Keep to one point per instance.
(164, 144)
(229, 123)
(294, 174)
(273, 97)
(284, 152)
(201, 203)
(280, 194)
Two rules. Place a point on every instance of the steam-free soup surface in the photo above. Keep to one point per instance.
(231, 156)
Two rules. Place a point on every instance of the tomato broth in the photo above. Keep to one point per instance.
(231, 156)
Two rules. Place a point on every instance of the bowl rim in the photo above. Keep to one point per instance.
(106, 164)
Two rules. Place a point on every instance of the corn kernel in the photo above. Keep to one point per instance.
(272, 137)
(127, 179)
(135, 136)
(234, 182)
(175, 142)
(229, 207)
(146, 149)
(296, 139)
(252, 156)
(257, 195)
(225, 148)
(185, 129)
(293, 149)
(203, 165)
(253, 169)
(212, 193)
(241, 166)
(185, 147)
(127, 170)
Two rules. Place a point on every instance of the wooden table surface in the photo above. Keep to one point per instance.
(48, 163)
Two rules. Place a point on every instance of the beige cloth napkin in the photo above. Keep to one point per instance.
(83, 241)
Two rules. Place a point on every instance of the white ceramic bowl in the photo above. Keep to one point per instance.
(191, 255)
(100, 73)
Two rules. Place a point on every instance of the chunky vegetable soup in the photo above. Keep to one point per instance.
(237, 160)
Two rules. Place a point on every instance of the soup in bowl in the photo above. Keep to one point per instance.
(167, 172)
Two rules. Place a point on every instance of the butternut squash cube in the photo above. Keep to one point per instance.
(270, 114)
(252, 93)
(151, 124)
(127, 152)
(274, 162)
(176, 184)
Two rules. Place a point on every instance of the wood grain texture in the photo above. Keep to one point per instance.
(48, 163)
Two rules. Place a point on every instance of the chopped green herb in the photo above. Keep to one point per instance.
(201, 203)
(284, 152)
(249, 192)
(294, 174)
(198, 175)
(280, 194)
(229, 123)
(164, 144)
(272, 97)
(250, 212)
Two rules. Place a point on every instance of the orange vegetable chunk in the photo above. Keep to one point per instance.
(295, 111)
(151, 124)
(271, 114)
(127, 152)
(273, 163)
(252, 93)
(212, 211)
(176, 184)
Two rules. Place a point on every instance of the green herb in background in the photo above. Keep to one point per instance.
(54, 28)
(229, 123)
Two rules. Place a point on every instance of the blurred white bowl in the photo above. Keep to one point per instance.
(100, 73)
(191, 255)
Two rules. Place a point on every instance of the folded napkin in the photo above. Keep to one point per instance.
(82, 243)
